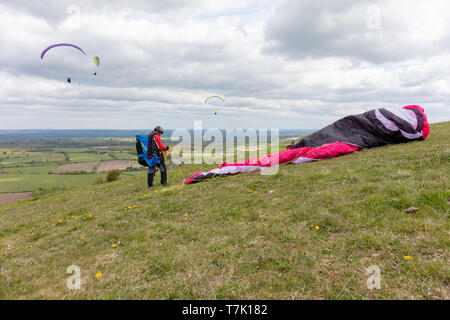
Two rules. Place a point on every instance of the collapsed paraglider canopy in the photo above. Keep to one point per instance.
(371, 129)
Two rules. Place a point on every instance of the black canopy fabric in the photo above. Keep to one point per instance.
(373, 128)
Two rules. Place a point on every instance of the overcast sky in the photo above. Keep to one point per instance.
(278, 64)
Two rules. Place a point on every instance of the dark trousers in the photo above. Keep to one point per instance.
(151, 174)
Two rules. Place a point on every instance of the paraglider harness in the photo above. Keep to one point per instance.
(148, 152)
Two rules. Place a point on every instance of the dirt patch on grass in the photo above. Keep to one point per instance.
(48, 157)
(11, 197)
(108, 165)
(71, 167)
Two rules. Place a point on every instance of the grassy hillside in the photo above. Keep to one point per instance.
(247, 236)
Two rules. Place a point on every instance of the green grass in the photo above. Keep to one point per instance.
(39, 183)
(88, 157)
(243, 237)
(31, 169)
(20, 158)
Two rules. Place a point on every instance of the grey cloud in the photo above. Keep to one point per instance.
(309, 28)
(56, 11)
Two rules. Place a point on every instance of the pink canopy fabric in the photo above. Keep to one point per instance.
(297, 156)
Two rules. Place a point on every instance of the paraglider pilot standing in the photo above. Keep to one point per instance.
(155, 152)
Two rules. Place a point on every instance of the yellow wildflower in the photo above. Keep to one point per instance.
(98, 275)
(407, 257)
(82, 238)
(317, 227)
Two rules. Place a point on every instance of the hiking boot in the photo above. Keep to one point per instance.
(165, 185)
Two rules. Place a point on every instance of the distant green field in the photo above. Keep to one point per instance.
(20, 158)
(44, 182)
(52, 156)
(24, 170)
(123, 156)
(31, 169)
(88, 157)
(71, 150)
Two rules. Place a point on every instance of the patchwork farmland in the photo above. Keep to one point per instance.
(108, 165)
(86, 167)
(102, 167)
(45, 165)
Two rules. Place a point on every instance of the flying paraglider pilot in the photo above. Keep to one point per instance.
(155, 151)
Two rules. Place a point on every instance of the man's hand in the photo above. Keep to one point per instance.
(167, 148)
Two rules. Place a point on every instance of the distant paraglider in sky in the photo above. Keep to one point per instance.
(211, 97)
(214, 97)
(97, 63)
(60, 45)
